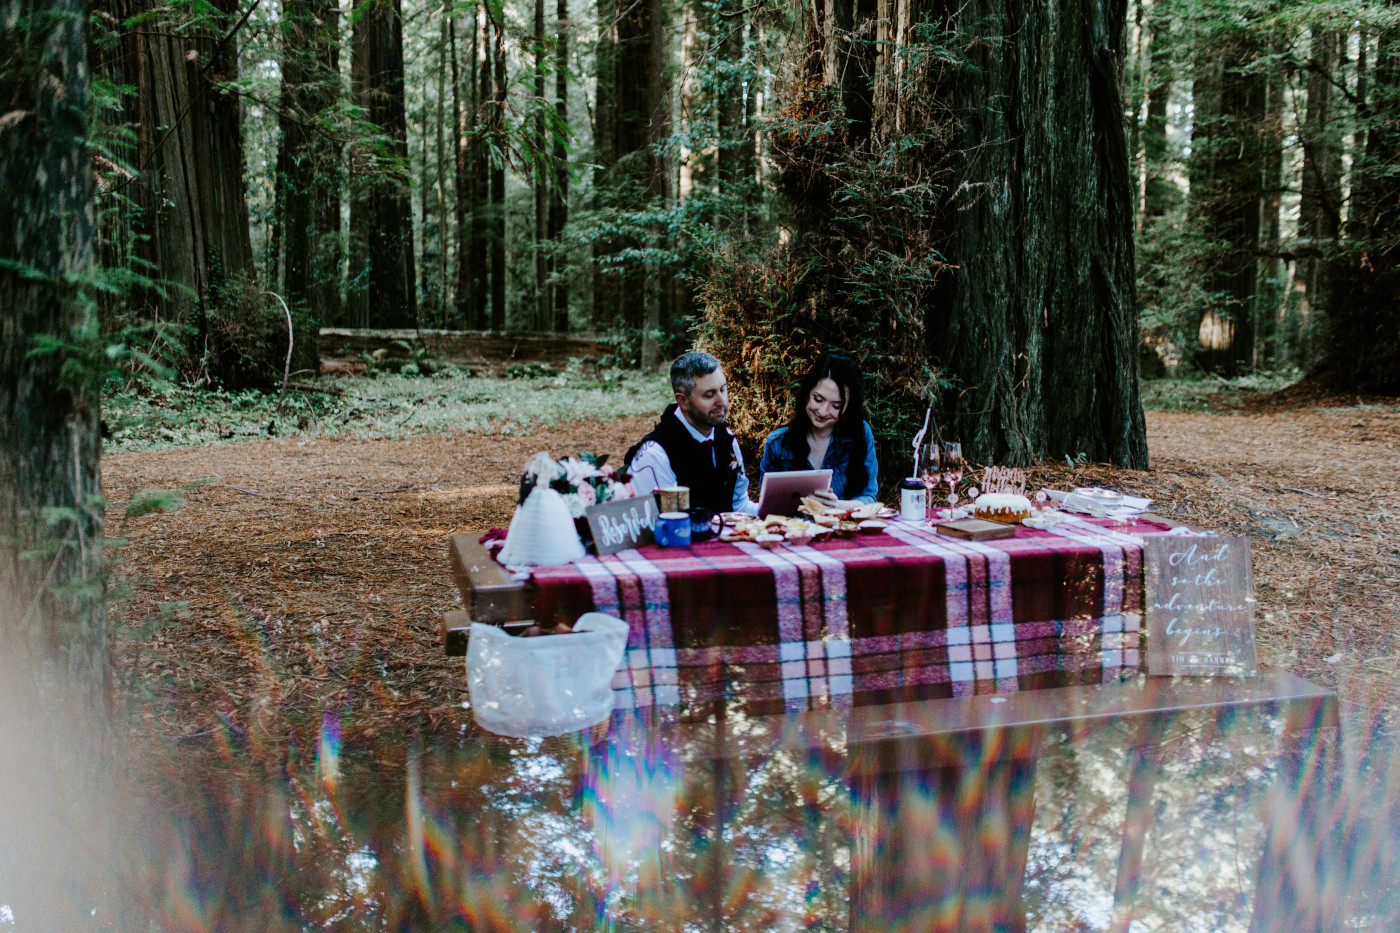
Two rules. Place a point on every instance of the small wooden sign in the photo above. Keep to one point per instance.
(622, 523)
(976, 529)
(1199, 606)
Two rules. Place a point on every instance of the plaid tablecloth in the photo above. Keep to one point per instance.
(908, 614)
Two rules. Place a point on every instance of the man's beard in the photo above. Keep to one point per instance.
(700, 418)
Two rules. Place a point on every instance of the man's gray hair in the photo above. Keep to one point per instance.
(688, 368)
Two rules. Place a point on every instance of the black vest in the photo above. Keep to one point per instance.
(711, 484)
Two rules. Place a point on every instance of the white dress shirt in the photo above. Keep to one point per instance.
(651, 469)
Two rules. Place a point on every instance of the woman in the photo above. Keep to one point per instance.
(828, 432)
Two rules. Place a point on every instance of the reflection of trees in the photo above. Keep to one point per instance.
(647, 830)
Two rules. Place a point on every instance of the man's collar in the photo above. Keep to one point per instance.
(691, 428)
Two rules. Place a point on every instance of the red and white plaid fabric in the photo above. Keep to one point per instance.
(908, 614)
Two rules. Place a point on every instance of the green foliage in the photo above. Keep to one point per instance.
(857, 274)
(1197, 392)
(154, 499)
(246, 337)
(159, 415)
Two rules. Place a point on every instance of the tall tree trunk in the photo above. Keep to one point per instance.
(1035, 332)
(733, 156)
(498, 180)
(605, 299)
(543, 179)
(848, 58)
(1025, 300)
(481, 191)
(659, 189)
(1270, 295)
(1320, 206)
(381, 211)
(1158, 191)
(633, 113)
(189, 171)
(53, 619)
(1364, 313)
(1226, 188)
(559, 196)
(306, 172)
(440, 189)
(461, 184)
(472, 181)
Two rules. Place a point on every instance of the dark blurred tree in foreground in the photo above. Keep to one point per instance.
(53, 621)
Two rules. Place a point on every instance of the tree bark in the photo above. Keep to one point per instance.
(53, 618)
(498, 180)
(543, 183)
(1269, 293)
(308, 173)
(1226, 189)
(188, 176)
(559, 196)
(1320, 205)
(1158, 191)
(633, 113)
(1364, 314)
(606, 59)
(440, 187)
(1014, 134)
(381, 211)
(1038, 331)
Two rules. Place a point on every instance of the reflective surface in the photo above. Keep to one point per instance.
(736, 824)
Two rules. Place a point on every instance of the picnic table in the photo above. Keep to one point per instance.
(906, 614)
(918, 654)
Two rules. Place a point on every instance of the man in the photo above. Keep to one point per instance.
(690, 446)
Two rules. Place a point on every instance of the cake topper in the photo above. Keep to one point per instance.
(1004, 480)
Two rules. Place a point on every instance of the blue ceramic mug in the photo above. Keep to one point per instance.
(673, 529)
(704, 524)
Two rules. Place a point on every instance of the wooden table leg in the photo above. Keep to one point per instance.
(1142, 780)
(941, 847)
(1298, 884)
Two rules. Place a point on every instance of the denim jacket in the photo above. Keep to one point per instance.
(779, 458)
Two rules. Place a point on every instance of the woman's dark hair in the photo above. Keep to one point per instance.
(840, 369)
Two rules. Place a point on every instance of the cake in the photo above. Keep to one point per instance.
(1005, 507)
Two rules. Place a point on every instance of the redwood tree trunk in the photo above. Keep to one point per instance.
(308, 186)
(559, 196)
(1038, 330)
(498, 178)
(381, 211)
(53, 621)
(1320, 207)
(1226, 189)
(1364, 314)
(633, 112)
(189, 155)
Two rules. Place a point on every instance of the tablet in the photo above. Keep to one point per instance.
(782, 493)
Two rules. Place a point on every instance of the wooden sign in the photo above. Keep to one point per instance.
(1200, 606)
(622, 523)
(997, 479)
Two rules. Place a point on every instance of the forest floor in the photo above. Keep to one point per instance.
(308, 574)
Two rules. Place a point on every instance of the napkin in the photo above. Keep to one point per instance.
(1127, 508)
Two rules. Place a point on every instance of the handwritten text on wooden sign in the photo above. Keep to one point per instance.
(622, 523)
(1200, 605)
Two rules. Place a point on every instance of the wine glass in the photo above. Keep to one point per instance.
(952, 469)
(930, 460)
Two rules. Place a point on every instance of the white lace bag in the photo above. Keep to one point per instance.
(548, 684)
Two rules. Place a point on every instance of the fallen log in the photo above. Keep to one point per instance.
(460, 347)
